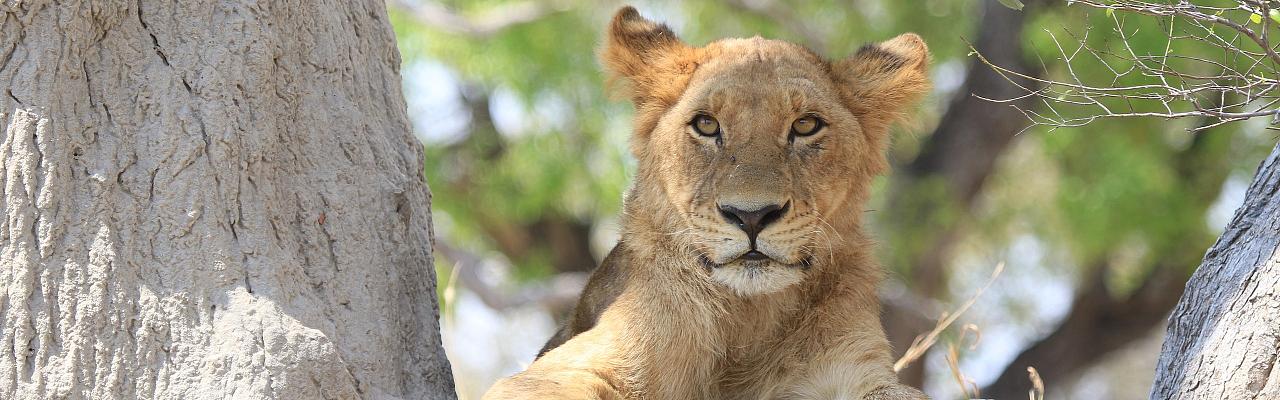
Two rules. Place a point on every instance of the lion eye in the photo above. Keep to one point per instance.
(705, 125)
(805, 126)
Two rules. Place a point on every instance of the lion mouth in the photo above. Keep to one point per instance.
(754, 259)
(754, 255)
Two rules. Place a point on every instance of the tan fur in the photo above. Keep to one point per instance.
(674, 313)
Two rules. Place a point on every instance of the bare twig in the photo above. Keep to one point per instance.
(1242, 85)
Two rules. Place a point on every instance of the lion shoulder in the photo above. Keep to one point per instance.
(602, 289)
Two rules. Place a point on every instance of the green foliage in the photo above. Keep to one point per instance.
(491, 180)
(1095, 192)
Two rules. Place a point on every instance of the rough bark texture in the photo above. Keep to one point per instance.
(211, 199)
(1224, 335)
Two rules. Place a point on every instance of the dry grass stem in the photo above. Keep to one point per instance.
(967, 386)
(1037, 385)
(923, 342)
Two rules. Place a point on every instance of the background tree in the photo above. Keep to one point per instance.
(1224, 336)
(211, 200)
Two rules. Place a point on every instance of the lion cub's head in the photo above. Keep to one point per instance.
(754, 154)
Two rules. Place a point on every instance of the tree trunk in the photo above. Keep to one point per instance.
(208, 200)
(1224, 335)
(933, 193)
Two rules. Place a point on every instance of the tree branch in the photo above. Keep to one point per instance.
(1221, 340)
(1180, 92)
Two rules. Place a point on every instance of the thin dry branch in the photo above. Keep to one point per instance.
(1196, 13)
(1241, 85)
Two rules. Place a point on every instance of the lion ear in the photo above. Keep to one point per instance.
(882, 80)
(644, 55)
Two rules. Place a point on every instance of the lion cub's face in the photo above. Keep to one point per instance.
(758, 153)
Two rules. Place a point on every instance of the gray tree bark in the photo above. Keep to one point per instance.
(1224, 335)
(208, 200)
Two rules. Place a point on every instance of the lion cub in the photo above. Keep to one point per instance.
(743, 271)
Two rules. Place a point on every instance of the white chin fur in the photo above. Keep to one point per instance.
(756, 281)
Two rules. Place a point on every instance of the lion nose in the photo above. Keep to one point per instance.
(753, 221)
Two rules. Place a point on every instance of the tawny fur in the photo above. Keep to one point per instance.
(673, 313)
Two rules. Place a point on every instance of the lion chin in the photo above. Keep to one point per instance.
(753, 278)
(756, 277)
